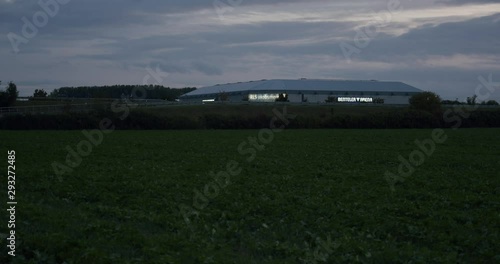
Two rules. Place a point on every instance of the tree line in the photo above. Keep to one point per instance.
(470, 101)
(119, 91)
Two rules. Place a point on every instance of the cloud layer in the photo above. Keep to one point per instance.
(442, 46)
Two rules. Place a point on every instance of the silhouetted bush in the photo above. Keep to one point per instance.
(426, 101)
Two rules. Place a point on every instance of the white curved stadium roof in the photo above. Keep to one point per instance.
(305, 85)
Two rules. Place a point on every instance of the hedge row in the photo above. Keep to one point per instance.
(400, 118)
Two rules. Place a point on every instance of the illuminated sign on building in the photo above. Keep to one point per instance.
(263, 97)
(355, 100)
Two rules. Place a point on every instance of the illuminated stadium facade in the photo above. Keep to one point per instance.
(307, 91)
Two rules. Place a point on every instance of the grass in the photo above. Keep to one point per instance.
(311, 196)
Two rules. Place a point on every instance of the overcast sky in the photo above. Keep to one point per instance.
(437, 45)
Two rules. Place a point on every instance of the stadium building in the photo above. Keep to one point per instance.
(307, 91)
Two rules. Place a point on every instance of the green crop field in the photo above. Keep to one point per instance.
(298, 196)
